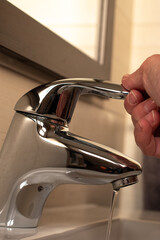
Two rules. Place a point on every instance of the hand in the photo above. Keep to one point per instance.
(145, 110)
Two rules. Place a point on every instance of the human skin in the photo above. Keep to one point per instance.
(143, 104)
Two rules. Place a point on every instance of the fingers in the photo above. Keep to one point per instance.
(144, 134)
(137, 107)
(146, 79)
(146, 119)
(132, 100)
(144, 111)
(134, 80)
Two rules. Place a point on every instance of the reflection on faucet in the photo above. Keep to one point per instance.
(16, 233)
(40, 153)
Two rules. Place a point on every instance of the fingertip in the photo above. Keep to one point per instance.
(138, 95)
(145, 139)
(144, 125)
(156, 116)
(153, 119)
(132, 100)
(125, 81)
(134, 80)
(142, 132)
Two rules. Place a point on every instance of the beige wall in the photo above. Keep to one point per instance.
(144, 43)
(13, 86)
(102, 122)
(146, 31)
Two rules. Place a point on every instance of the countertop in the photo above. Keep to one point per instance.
(57, 221)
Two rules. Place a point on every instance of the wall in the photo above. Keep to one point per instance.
(13, 86)
(146, 33)
(144, 43)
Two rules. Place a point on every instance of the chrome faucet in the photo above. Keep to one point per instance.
(40, 153)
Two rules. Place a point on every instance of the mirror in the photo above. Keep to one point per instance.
(77, 21)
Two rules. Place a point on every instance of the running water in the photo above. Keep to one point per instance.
(109, 226)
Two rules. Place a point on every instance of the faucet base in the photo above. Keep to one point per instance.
(30, 192)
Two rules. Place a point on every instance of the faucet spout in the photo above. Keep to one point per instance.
(40, 152)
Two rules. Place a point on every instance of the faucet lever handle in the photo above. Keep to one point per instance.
(58, 99)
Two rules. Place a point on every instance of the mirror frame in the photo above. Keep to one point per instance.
(29, 43)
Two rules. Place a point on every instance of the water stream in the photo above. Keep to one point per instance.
(109, 226)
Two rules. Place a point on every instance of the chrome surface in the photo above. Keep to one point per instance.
(58, 99)
(40, 153)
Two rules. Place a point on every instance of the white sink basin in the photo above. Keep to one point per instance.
(121, 230)
(135, 230)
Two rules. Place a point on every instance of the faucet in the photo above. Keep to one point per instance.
(40, 153)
